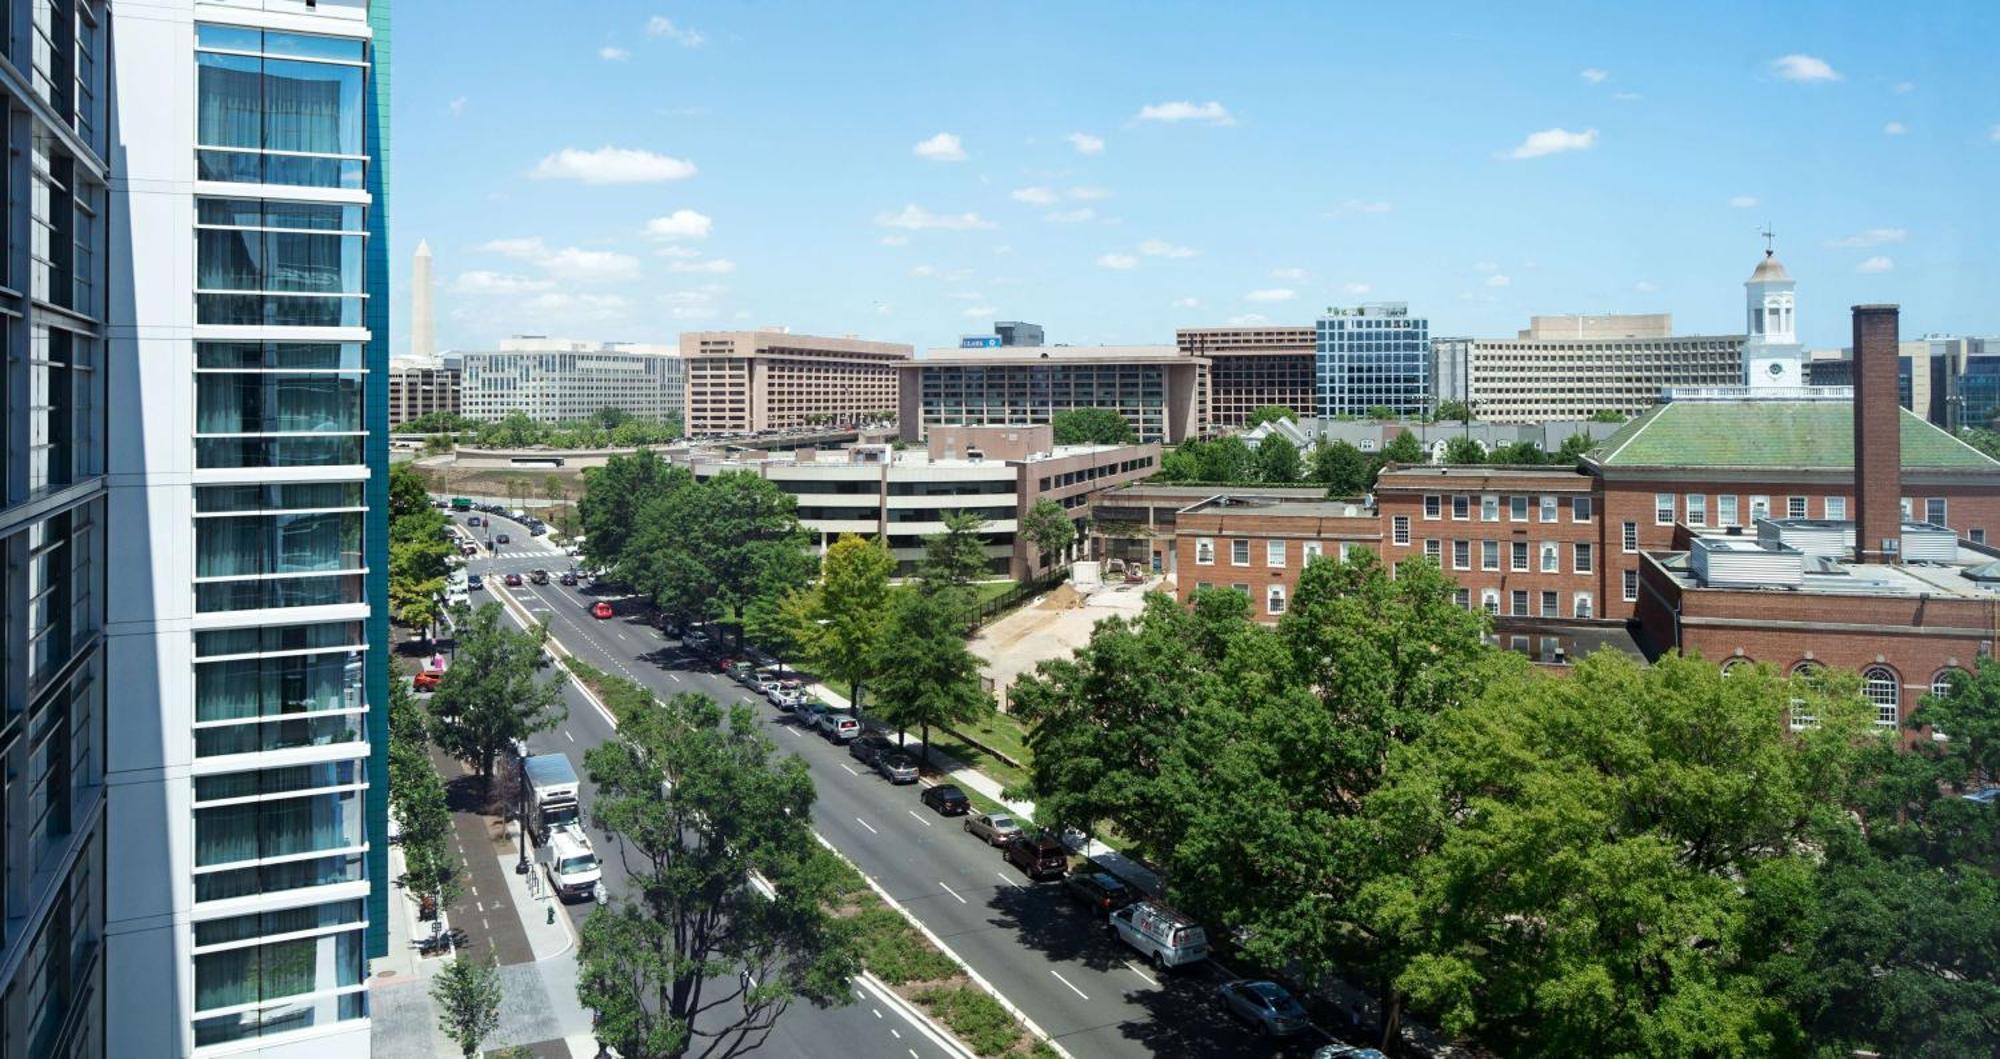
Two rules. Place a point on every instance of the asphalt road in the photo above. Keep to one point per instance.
(1047, 956)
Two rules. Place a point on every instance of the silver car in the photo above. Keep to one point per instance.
(897, 767)
(995, 829)
(1264, 1005)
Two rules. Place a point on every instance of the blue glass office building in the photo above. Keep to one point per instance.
(1375, 356)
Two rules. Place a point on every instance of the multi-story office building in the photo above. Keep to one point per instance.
(1017, 333)
(60, 302)
(244, 853)
(556, 380)
(998, 473)
(417, 390)
(1156, 388)
(1250, 367)
(1372, 357)
(1451, 371)
(1571, 367)
(747, 382)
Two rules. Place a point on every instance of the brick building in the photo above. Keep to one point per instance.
(744, 382)
(1258, 545)
(1250, 367)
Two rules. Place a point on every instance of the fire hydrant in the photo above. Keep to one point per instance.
(552, 915)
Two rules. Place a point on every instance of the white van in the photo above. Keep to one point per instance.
(1162, 935)
(572, 864)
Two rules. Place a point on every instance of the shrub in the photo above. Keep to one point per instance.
(893, 951)
(975, 1017)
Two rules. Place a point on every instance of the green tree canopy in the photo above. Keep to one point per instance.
(925, 674)
(844, 615)
(1518, 453)
(1405, 448)
(1463, 450)
(1454, 411)
(1091, 426)
(1049, 527)
(467, 994)
(1344, 469)
(955, 557)
(493, 695)
(700, 802)
(1269, 413)
(1278, 460)
(706, 550)
(1607, 415)
(613, 496)
(1573, 448)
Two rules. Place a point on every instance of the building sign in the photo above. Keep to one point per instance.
(979, 342)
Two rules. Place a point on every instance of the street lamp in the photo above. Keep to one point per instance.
(521, 775)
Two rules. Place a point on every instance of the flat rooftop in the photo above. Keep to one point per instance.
(1970, 575)
(1007, 355)
(912, 457)
(1235, 504)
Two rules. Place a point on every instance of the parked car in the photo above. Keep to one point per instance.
(537, 530)
(1346, 1051)
(539, 576)
(572, 864)
(843, 728)
(1161, 934)
(513, 580)
(1266, 1006)
(764, 684)
(502, 538)
(475, 582)
(811, 714)
(826, 720)
(474, 520)
(994, 829)
(600, 610)
(869, 747)
(1038, 855)
(896, 767)
(428, 680)
(1100, 892)
(784, 693)
(568, 577)
(947, 799)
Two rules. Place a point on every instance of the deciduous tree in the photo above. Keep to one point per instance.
(1405, 448)
(706, 550)
(467, 994)
(1278, 460)
(1049, 527)
(1463, 450)
(844, 615)
(493, 695)
(1269, 413)
(1342, 468)
(1091, 426)
(613, 496)
(955, 557)
(925, 676)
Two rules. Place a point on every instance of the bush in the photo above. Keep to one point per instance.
(975, 1017)
(893, 951)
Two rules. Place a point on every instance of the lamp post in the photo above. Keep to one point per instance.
(521, 774)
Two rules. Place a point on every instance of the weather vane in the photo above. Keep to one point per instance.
(1769, 238)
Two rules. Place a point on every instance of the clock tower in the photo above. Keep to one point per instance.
(1772, 356)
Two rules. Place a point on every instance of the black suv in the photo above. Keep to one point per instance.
(1040, 856)
(1101, 893)
(947, 799)
(869, 747)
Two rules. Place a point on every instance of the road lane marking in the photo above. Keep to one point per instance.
(1010, 882)
(568, 736)
(1140, 973)
(919, 819)
(877, 1011)
(795, 732)
(1065, 981)
(864, 823)
(893, 1033)
(850, 771)
(961, 900)
(675, 677)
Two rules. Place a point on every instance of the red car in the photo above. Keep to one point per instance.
(600, 609)
(428, 680)
(513, 580)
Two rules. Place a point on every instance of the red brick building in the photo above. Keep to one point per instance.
(1259, 545)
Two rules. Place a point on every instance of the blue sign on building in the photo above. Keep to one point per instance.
(979, 342)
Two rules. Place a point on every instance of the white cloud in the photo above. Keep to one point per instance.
(1187, 303)
(1878, 263)
(1627, 97)
(1499, 280)
(579, 264)
(1296, 275)
(714, 266)
(1089, 194)
(1803, 68)
(663, 27)
(1553, 141)
(1904, 88)
(977, 312)
(1367, 206)
(1162, 248)
(1036, 196)
(613, 55)
(944, 147)
(1594, 75)
(1085, 143)
(1117, 261)
(894, 240)
(676, 251)
(519, 249)
(1871, 237)
(1993, 134)
(1003, 249)
(916, 219)
(1271, 294)
(1645, 286)
(1743, 202)
(456, 106)
(1355, 288)
(922, 270)
(612, 165)
(681, 224)
(483, 282)
(1075, 216)
(1249, 320)
(698, 304)
(1211, 112)
(1895, 128)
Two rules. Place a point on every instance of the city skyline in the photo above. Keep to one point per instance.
(1484, 174)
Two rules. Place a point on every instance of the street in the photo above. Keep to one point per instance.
(1059, 965)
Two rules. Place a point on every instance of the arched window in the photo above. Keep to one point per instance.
(1796, 713)
(1879, 684)
(1941, 684)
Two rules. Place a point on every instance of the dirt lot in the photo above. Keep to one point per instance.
(1051, 627)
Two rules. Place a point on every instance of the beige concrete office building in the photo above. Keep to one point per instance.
(1569, 367)
(417, 390)
(744, 382)
(1250, 367)
(1156, 388)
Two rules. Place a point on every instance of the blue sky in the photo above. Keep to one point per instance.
(910, 172)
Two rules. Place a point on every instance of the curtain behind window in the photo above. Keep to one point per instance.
(230, 107)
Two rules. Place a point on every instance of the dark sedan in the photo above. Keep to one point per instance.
(1101, 893)
(947, 799)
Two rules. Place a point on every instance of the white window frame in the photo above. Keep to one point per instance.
(1550, 595)
(1876, 680)
(1760, 507)
(1461, 507)
(1434, 550)
(1551, 561)
(1274, 599)
(1943, 510)
(1399, 530)
(1517, 507)
(1631, 585)
(1834, 508)
(1583, 558)
(1550, 513)
(1628, 537)
(1725, 509)
(1697, 509)
(1433, 507)
(1274, 553)
(1204, 551)
(1310, 550)
(1795, 507)
(1582, 605)
(1517, 602)
(1239, 545)
(1489, 555)
(1663, 509)
(1518, 557)
(1585, 505)
(1461, 554)
(1489, 600)
(1489, 507)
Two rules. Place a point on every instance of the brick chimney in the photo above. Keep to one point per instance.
(1878, 438)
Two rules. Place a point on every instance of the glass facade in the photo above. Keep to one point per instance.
(1371, 358)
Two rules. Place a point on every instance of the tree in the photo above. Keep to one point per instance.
(844, 616)
(1607, 415)
(699, 804)
(1278, 460)
(467, 994)
(1269, 413)
(925, 675)
(1049, 527)
(408, 494)
(1342, 468)
(610, 418)
(1573, 448)
(613, 496)
(417, 798)
(1462, 450)
(1454, 411)
(1382, 413)
(704, 551)
(1092, 426)
(419, 555)
(1404, 448)
(1225, 460)
(1518, 453)
(1181, 464)
(491, 697)
(955, 557)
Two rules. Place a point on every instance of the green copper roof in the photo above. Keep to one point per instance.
(1772, 433)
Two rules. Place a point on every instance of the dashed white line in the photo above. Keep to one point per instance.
(1010, 882)
(961, 900)
(1072, 987)
(864, 823)
(795, 732)
(1140, 973)
(913, 1053)
(568, 736)
(893, 1033)
(877, 1011)
(850, 771)
(919, 819)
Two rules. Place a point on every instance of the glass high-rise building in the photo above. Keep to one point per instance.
(1375, 356)
(243, 526)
